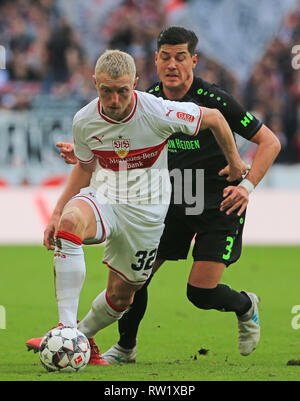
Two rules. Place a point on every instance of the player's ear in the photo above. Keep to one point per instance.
(135, 82)
(94, 80)
(155, 58)
(195, 60)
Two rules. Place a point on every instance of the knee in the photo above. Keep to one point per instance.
(72, 221)
(118, 302)
(202, 298)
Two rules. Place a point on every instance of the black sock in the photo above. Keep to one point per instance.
(129, 323)
(221, 298)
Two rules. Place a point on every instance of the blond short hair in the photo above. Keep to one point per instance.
(116, 64)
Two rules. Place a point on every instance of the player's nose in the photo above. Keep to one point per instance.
(115, 98)
(172, 65)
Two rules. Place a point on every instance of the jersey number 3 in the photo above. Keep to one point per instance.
(228, 248)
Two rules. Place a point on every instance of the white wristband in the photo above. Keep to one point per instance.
(247, 185)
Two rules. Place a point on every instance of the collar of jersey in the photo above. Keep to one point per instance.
(125, 119)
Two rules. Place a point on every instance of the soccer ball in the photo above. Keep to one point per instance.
(64, 349)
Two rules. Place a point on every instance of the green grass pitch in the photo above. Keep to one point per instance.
(173, 330)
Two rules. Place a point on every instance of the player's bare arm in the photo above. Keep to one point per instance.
(237, 197)
(79, 178)
(214, 120)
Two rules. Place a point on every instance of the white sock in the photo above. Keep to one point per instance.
(69, 271)
(102, 314)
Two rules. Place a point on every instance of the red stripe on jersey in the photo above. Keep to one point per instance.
(86, 162)
(139, 158)
(69, 237)
(123, 275)
(107, 119)
(199, 121)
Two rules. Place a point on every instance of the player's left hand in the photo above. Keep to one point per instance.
(235, 172)
(236, 197)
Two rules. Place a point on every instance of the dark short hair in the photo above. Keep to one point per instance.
(176, 35)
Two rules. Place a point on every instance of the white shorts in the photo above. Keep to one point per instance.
(132, 234)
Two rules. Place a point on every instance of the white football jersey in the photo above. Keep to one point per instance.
(131, 154)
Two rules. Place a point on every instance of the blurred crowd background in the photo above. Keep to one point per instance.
(51, 47)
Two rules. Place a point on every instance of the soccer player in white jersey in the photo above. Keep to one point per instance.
(113, 193)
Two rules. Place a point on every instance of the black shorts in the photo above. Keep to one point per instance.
(218, 236)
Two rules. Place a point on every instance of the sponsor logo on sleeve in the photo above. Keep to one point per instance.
(185, 116)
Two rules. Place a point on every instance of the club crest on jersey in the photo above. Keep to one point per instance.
(185, 116)
(121, 147)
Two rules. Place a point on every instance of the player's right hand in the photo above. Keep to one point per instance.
(67, 152)
(50, 232)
